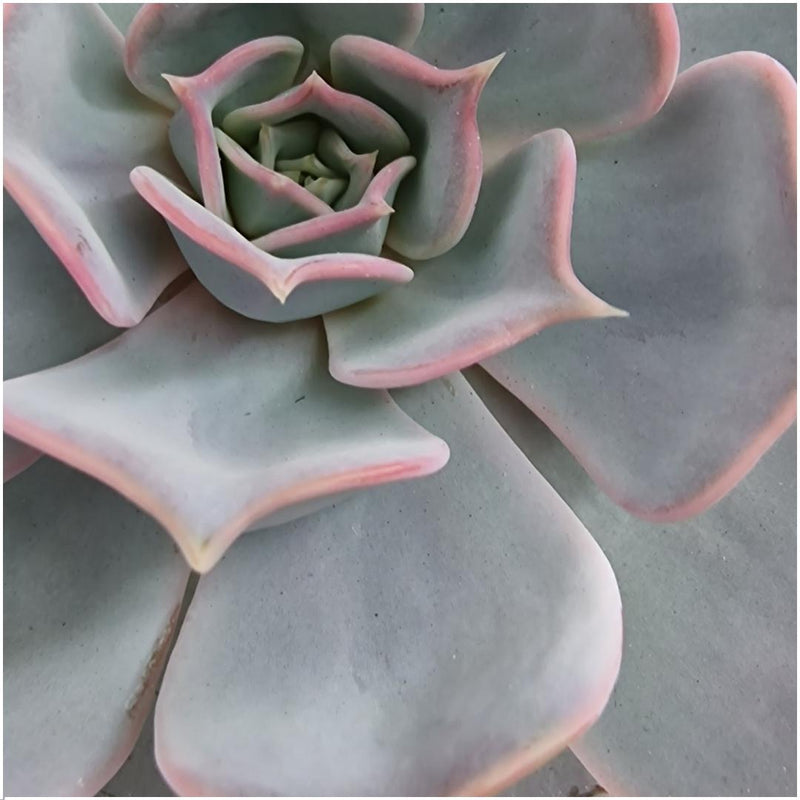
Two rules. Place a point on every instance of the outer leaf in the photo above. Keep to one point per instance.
(260, 69)
(361, 229)
(437, 109)
(213, 423)
(46, 318)
(91, 591)
(689, 223)
(710, 623)
(253, 282)
(185, 39)
(74, 128)
(509, 277)
(594, 69)
(140, 776)
(475, 631)
(731, 674)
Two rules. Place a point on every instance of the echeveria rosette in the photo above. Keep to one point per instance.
(283, 228)
(450, 660)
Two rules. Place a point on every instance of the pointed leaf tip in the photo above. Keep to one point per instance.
(511, 273)
(690, 223)
(433, 619)
(438, 108)
(485, 69)
(251, 456)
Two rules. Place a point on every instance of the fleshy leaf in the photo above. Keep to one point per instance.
(308, 163)
(185, 39)
(437, 110)
(509, 277)
(74, 128)
(260, 69)
(287, 140)
(364, 125)
(91, 589)
(255, 283)
(327, 189)
(262, 200)
(593, 69)
(453, 660)
(46, 319)
(729, 675)
(213, 423)
(359, 167)
(361, 229)
(689, 222)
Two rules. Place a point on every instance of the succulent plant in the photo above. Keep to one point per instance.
(294, 210)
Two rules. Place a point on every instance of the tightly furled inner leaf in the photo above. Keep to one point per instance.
(261, 201)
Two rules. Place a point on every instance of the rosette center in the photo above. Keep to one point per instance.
(293, 185)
